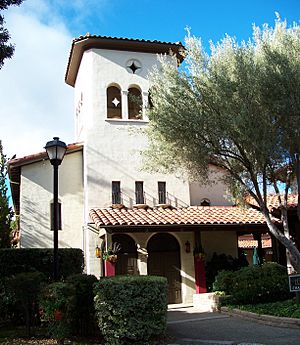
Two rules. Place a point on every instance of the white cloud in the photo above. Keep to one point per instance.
(36, 104)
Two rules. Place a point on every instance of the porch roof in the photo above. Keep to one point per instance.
(273, 203)
(247, 241)
(187, 216)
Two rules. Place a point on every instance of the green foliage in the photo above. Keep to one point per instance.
(288, 308)
(57, 303)
(10, 312)
(236, 108)
(20, 260)
(255, 284)
(6, 212)
(26, 288)
(6, 50)
(131, 308)
(221, 262)
(83, 314)
(224, 282)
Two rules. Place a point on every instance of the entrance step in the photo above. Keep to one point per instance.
(206, 302)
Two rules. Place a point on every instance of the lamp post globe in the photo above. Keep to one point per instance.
(56, 150)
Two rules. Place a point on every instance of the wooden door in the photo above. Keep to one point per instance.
(166, 262)
(127, 257)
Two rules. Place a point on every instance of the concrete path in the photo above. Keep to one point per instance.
(191, 327)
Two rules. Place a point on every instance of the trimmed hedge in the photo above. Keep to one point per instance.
(255, 284)
(26, 288)
(131, 308)
(14, 261)
(83, 312)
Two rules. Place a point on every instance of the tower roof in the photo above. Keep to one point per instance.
(83, 43)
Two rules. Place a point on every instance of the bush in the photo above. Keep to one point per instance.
(256, 284)
(26, 288)
(224, 282)
(221, 262)
(83, 313)
(8, 304)
(57, 303)
(131, 308)
(14, 261)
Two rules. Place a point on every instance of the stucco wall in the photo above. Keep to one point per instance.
(219, 242)
(187, 272)
(112, 150)
(36, 196)
(113, 146)
(215, 190)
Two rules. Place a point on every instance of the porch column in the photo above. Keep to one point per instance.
(142, 260)
(124, 105)
(200, 274)
(109, 267)
(145, 104)
(199, 264)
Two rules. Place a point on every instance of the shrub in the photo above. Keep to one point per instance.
(8, 304)
(260, 284)
(21, 260)
(83, 313)
(26, 288)
(57, 302)
(224, 282)
(221, 262)
(131, 308)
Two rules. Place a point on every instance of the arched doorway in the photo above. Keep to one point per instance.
(127, 257)
(164, 260)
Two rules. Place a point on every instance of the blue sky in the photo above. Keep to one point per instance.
(43, 30)
(166, 20)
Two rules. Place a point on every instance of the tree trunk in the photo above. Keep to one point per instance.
(289, 245)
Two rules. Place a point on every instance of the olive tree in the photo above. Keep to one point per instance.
(238, 108)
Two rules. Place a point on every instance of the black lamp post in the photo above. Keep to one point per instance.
(56, 150)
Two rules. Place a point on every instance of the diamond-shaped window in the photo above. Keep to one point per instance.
(133, 66)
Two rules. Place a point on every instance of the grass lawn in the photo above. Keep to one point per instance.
(287, 308)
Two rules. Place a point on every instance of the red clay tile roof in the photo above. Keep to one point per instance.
(14, 170)
(16, 162)
(247, 241)
(273, 203)
(193, 215)
(83, 43)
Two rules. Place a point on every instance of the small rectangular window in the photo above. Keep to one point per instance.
(52, 216)
(162, 197)
(116, 192)
(139, 192)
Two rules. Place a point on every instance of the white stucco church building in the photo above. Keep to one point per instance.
(105, 196)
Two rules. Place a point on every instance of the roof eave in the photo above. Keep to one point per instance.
(14, 171)
(181, 227)
(79, 46)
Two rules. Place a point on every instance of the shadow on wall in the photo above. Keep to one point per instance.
(35, 226)
(99, 181)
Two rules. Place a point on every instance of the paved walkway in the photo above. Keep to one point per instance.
(191, 327)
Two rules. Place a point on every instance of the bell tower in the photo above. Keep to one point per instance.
(110, 80)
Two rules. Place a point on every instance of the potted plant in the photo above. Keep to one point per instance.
(111, 254)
